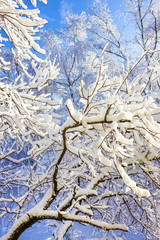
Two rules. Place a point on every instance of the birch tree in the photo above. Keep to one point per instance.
(75, 54)
(99, 167)
(102, 30)
(144, 16)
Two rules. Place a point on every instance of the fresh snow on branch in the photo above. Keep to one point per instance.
(79, 142)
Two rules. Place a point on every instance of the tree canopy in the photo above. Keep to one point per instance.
(80, 129)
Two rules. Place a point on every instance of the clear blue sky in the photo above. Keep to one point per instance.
(55, 10)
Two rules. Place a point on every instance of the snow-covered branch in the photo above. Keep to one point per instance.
(95, 159)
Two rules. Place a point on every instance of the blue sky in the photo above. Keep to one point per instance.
(55, 10)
